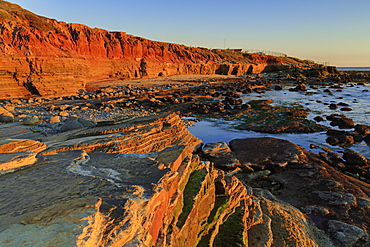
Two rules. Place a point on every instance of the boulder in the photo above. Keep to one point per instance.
(220, 154)
(336, 198)
(346, 235)
(63, 114)
(354, 158)
(6, 117)
(300, 87)
(6, 108)
(31, 120)
(266, 151)
(332, 140)
(54, 119)
(367, 139)
(333, 106)
(318, 118)
(74, 123)
(346, 139)
(362, 129)
(270, 220)
(346, 109)
(341, 121)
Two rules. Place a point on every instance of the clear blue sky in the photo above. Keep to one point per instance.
(335, 31)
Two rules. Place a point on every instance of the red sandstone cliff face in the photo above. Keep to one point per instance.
(45, 57)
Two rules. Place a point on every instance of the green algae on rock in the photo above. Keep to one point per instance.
(266, 118)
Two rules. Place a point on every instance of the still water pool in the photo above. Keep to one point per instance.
(356, 96)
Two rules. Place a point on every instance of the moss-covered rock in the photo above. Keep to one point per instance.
(266, 118)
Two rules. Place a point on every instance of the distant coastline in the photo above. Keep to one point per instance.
(353, 68)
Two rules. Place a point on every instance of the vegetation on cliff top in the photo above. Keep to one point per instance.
(13, 12)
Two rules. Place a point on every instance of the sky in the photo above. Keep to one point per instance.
(325, 31)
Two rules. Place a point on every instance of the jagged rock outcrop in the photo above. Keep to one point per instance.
(137, 135)
(16, 153)
(41, 56)
(93, 199)
(310, 183)
(140, 182)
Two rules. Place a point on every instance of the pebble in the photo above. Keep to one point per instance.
(54, 119)
(64, 114)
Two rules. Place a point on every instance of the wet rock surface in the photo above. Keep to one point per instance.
(102, 164)
(72, 180)
(90, 159)
(310, 184)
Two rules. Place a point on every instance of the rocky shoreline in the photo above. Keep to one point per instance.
(117, 166)
(93, 154)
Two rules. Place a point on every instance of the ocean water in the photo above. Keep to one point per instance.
(357, 96)
(353, 68)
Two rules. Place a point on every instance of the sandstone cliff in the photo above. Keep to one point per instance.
(45, 57)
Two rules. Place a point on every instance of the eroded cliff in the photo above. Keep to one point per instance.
(45, 57)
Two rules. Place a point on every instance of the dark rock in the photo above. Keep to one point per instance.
(318, 118)
(346, 109)
(200, 108)
(301, 87)
(316, 210)
(345, 234)
(338, 137)
(31, 120)
(333, 106)
(6, 117)
(343, 104)
(313, 146)
(356, 137)
(367, 139)
(332, 140)
(246, 106)
(363, 202)
(362, 129)
(355, 159)
(76, 123)
(335, 133)
(220, 154)
(232, 101)
(266, 150)
(335, 159)
(342, 122)
(346, 139)
(332, 117)
(336, 198)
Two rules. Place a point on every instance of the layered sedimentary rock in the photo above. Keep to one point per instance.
(16, 153)
(41, 56)
(138, 135)
(310, 183)
(93, 188)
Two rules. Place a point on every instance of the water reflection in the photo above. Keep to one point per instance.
(357, 97)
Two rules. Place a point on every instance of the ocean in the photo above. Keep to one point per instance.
(353, 68)
(357, 96)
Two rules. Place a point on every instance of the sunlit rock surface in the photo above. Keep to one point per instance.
(45, 57)
(16, 153)
(144, 182)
